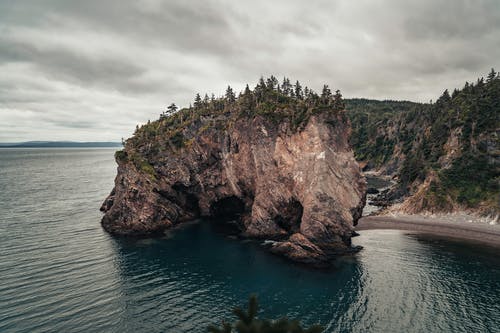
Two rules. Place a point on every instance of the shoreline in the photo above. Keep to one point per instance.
(477, 232)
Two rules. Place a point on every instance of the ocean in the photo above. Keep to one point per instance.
(60, 272)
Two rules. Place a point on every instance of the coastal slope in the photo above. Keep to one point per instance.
(444, 156)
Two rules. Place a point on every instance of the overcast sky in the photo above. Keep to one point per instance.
(91, 70)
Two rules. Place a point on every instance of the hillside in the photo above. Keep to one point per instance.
(444, 155)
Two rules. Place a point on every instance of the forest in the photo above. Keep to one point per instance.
(455, 139)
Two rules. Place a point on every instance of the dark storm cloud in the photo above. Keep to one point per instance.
(90, 70)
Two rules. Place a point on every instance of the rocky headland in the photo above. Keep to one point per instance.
(277, 162)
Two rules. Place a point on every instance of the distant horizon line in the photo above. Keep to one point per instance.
(59, 144)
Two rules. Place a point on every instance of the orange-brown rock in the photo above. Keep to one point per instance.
(302, 188)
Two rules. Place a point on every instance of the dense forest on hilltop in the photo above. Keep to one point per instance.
(452, 143)
(275, 101)
(370, 119)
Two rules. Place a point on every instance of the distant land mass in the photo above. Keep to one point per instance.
(59, 144)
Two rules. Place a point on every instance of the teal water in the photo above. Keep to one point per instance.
(60, 272)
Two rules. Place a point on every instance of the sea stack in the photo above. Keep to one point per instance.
(293, 181)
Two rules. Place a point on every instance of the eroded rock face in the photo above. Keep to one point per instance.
(303, 188)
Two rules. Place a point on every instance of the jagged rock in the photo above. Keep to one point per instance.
(300, 249)
(301, 187)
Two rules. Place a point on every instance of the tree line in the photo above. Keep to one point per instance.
(267, 91)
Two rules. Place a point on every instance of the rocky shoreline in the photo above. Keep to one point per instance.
(301, 188)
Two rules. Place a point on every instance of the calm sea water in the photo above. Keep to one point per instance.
(59, 272)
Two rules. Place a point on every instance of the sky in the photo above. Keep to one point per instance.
(92, 70)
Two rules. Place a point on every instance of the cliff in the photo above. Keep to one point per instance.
(444, 155)
(295, 182)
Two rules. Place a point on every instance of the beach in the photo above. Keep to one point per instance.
(473, 229)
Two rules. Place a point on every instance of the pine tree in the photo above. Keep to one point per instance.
(247, 91)
(298, 91)
(338, 102)
(445, 98)
(326, 94)
(230, 96)
(286, 86)
(171, 109)
(249, 323)
(197, 101)
(246, 100)
(491, 76)
(272, 82)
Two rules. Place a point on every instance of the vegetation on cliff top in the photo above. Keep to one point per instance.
(456, 140)
(270, 99)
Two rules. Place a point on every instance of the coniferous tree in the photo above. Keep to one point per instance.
(230, 96)
(491, 76)
(247, 100)
(445, 98)
(286, 87)
(197, 101)
(338, 102)
(298, 91)
(326, 94)
(248, 322)
(271, 83)
(171, 109)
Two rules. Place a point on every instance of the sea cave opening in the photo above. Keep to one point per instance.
(290, 216)
(227, 209)
(225, 213)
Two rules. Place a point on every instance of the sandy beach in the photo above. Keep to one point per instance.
(462, 229)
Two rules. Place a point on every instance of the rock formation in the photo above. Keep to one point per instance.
(301, 188)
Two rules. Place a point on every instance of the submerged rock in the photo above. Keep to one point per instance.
(300, 187)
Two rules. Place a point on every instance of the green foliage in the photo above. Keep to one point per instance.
(385, 131)
(248, 322)
(143, 165)
(121, 155)
(276, 103)
(370, 120)
(471, 179)
(178, 139)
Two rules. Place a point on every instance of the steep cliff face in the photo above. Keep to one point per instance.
(444, 155)
(302, 188)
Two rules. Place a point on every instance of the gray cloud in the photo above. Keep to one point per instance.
(71, 65)
(92, 70)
